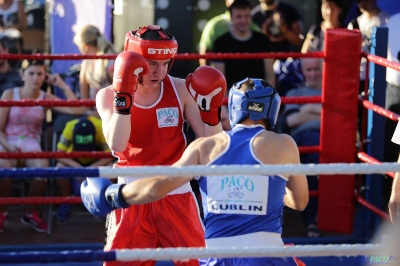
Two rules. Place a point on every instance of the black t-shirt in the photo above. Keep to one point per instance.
(9, 80)
(288, 12)
(236, 70)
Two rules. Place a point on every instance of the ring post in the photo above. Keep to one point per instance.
(376, 124)
(341, 74)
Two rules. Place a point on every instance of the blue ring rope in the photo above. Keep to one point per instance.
(51, 172)
(53, 256)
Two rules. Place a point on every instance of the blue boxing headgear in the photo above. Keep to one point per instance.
(261, 102)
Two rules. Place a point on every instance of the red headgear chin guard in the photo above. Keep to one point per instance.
(152, 42)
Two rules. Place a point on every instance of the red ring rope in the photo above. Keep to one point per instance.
(91, 103)
(184, 56)
(55, 155)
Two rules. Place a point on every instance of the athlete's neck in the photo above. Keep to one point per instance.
(249, 122)
(147, 96)
(241, 34)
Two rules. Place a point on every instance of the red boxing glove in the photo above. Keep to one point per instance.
(207, 85)
(128, 67)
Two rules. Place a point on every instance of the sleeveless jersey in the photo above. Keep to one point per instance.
(9, 17)
(241, 204)
(157, 135)
(26, 121)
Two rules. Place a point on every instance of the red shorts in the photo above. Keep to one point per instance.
(170, 222)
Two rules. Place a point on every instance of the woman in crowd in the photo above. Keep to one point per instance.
(12, 15)
(20, 131)
(95, 73)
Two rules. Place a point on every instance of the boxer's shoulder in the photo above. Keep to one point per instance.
(179, 83)
(281, 145)
(105, 92)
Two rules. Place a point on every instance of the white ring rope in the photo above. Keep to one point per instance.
(241, 252)
(199, 170)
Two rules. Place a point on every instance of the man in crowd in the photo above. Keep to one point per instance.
(304, 121)
(281, 22)
(242, 39)
(216, 27)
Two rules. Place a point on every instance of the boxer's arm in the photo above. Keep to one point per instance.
(269, 71)
(192, 113)
(154, 188)
(115, 109)
(394, 202)
(116, 127)
(296, 196)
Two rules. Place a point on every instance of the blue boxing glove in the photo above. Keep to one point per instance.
(100, 196)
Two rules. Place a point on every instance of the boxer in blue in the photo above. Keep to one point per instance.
(239, 210)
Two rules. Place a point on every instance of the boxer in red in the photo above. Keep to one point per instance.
(143, 115)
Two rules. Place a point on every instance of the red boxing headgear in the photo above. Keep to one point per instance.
(152, 42)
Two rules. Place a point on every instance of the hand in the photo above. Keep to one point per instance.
(311, 108)
(128, 67)
(207, 86)
(56, 80)
(394, 207)
(100, 196)
(275, 27)
(12, 148)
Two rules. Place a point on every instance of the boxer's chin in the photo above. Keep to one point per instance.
(151, 84)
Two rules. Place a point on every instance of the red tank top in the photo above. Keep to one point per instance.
(157, 136)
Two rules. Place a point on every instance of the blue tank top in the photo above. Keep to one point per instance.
(241, 204)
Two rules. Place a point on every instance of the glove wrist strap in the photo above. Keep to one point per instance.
(122, 103)
(114, 197)
(212, 117)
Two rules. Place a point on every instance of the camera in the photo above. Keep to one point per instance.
(274, 28)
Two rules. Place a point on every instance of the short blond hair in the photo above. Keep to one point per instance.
(91, 35)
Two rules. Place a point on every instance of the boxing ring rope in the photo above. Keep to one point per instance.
(41, 200)
(183, 254)
(109, 172)
(96, 154)
(380, 110)
(198, 170)
(381, 61)
(377, 56)
(55, 154)
(366, 158)
(91, 103)
(181, 56)
(376, 108)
